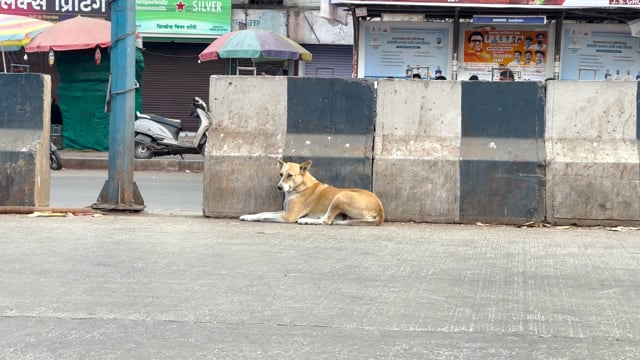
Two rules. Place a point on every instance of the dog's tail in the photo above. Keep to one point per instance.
(380, 218)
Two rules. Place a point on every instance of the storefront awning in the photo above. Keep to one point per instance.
(582, 10)
(528, 4)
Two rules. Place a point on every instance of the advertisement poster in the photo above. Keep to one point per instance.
(599, 52)
(401, 49)
(517, 3)
(183, 17)
(522, 51)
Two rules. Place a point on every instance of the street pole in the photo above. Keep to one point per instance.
(120, 192)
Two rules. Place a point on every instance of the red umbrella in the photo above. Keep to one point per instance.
(74, 34)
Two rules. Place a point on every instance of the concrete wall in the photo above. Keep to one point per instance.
(441, 151)
(25, 105)
(593, 176)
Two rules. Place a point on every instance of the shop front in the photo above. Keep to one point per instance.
(536, 40)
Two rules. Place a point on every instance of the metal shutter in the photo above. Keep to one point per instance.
(330, 61)
(172, 77)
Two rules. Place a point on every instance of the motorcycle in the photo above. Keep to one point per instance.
(157, 136)
(55, 161)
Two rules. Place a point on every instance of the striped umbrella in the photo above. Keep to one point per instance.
(254, 44)
(16, 31)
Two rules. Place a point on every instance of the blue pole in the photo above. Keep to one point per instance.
(120, 192)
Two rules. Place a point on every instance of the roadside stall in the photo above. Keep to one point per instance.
(79, 49)
(537, 40)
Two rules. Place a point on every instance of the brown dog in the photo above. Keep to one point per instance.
(308, 201)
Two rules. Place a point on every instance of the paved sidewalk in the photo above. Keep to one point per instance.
(96, 160)
(164, 287)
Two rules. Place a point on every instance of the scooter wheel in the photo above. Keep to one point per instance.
(141, 151)
(55, 162)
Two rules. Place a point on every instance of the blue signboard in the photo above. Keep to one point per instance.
(510, 20)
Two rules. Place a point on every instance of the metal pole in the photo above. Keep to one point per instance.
(456, 35)
(558, 48)
(356, 38)
(120, 192)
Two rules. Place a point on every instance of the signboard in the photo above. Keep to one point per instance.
(54, 10)
(523, 51)
(183, 17)
(153, 17)
(599, 52)
(271, 20)
(392, 49)
(510, 20)
(504, 3)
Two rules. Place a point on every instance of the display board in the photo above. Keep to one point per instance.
(599, 52)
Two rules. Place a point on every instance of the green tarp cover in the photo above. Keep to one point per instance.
(82, 91)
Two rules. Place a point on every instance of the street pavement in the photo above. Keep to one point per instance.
(170, 192)
(95, 160)
(159, 286)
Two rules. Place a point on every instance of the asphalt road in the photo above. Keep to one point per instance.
(159, 286)
(163, 192)
(169, 283)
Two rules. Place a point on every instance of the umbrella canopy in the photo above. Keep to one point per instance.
(73, 34)
(254, 44)
(16, 31)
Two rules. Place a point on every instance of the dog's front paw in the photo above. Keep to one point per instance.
(310, 221)
(248, 218)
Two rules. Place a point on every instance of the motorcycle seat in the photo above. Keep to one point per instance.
(166, 121)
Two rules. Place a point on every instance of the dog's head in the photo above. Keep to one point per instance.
(292, 175)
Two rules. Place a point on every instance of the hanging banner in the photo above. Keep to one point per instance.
(401, 49)
(524, 52)
(183, 17)
(599, 52)
(504, 3)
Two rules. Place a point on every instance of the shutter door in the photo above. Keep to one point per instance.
(172, 77)
(330, 61)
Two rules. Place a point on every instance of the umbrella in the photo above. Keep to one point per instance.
(16, 31)
(255, 44)
(73, 34)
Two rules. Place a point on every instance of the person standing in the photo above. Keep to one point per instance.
(506, 75)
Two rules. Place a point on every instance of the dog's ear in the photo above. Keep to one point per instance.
(280, 163)
(304, 167)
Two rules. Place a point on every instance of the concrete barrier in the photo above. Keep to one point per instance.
(248, 133)
(328, 121)
(25, 101)
(416, 169)
(443, 151)
(331, 122)
(593, 172)
(502, 154)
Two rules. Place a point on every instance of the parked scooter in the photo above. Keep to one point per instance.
(157, 136)
(55, 161)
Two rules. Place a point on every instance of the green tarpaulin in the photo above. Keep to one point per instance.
(82, 91)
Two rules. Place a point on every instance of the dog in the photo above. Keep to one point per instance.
(308, 201)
